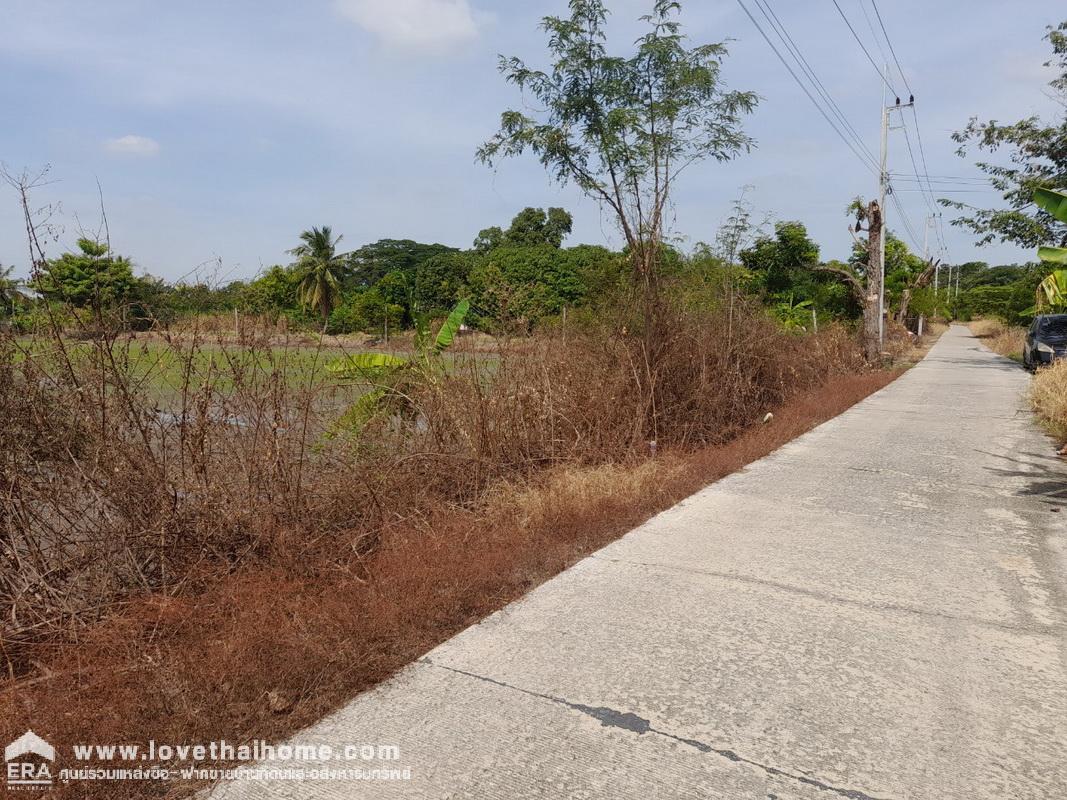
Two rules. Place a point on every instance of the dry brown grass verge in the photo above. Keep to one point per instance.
(1048, 396)
(1005, 340)
(201, 668)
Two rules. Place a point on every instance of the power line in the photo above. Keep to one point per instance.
(908, 229)
(929, 196)
(802, 62)
(890, 43)
(866, 52)
(946, 191)
(919, 136)
(941, 186)
(874, 36)
(947, 179)
(941, 234)
(804, 88)
(971, 178)
(926, 169)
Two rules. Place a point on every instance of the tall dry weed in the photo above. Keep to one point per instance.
(156, 465)
(1048, 396)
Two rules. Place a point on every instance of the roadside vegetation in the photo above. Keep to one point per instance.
(1048, 394)
(225, 509)
(1033, 178)
(1005, 340)
(240, 572)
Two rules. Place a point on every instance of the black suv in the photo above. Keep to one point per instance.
(1046, 341)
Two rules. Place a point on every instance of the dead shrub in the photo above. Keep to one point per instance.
(135, 466)
(1048, 396)
(181, 536)
(202, 665)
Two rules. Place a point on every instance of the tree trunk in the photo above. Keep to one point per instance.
(922, 280)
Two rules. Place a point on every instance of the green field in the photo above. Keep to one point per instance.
(162, 372)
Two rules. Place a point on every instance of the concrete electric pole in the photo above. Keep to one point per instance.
(884, 189)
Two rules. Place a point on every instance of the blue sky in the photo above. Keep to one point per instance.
(219, 130)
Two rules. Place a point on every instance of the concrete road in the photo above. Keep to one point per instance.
(877, 610)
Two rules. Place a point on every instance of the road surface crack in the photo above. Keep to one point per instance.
(628, 721)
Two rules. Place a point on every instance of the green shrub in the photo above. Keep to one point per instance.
(366, 311)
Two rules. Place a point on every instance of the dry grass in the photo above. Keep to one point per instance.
(197, 668)
(163, 571)
(1006, 340)
(1048, 396)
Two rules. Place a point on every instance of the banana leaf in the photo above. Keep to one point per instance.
(450, 329)
(366, 408)
(1053, 202)
(1054, 255)
(1052, 293)
(365, 365)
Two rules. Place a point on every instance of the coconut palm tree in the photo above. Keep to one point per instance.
(319, 267)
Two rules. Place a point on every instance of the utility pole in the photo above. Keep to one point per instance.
(930, 222)
(872, 309)
(926, 261)
(949, 295)
(948, 289)
(926, 249)
(937, 279)
(883, 190)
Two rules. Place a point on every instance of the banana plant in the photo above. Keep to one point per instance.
(794, 316)
(390, 378)
(1052, 293)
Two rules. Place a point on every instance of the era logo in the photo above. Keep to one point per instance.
(23, 773)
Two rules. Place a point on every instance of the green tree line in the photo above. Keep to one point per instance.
(516, 278)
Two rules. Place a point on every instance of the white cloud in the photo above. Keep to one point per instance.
(132, 145)
(423, 24)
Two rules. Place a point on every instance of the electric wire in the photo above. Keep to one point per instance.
(856, 36)
(929, 194)
(908, 229)
(874, 36)
(919, 138)
(889, 42)
(951, 180)
(873, 168)
(794, 50)
(947, 191)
